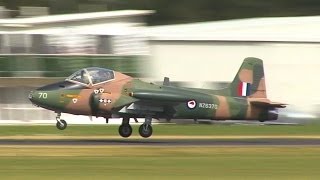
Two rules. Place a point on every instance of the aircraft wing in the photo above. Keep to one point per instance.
(266, 103)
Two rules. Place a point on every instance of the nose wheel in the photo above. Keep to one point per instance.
(61, 124)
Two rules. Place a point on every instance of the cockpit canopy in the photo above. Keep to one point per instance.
(92, 75)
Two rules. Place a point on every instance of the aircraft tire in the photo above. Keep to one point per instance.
(62, 124)
(145, 130)
(125, 130)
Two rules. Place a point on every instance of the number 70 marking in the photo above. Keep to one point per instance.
(43, 95)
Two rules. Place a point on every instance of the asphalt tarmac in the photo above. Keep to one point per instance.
(164, 142)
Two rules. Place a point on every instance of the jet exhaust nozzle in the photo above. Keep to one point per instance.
(273, 115)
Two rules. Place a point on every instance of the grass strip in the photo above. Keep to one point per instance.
(166, 130)
(118, 162)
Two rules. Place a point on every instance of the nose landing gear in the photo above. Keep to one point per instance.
(61, 124)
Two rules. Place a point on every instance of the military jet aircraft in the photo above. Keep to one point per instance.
(106, 93)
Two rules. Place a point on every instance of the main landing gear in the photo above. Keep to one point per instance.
(145, 130)
(125, 130)
(61, 124)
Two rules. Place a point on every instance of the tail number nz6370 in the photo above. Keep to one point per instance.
(208, 106)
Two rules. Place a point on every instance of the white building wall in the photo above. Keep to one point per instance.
(291, 69)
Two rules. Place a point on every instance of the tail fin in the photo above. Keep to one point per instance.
(249, 81)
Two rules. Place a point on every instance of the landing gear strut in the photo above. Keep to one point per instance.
(125, 130)
(61, 124)
(145, 130)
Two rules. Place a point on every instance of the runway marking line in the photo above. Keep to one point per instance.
(55, 137)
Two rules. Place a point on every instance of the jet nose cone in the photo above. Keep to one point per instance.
(31, 95)
(37, 98)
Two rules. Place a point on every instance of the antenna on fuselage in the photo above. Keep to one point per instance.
(166, 81)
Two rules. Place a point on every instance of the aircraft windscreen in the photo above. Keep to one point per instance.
(92, 75)
(81, 76)
(99, 75)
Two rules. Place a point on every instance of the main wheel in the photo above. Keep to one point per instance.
(145, 130)
(125, 130)
(62, 124)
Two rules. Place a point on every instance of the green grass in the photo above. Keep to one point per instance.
(159, 130)
(145, 162)
(118, 162)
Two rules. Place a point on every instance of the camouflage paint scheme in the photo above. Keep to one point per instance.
(125, 96)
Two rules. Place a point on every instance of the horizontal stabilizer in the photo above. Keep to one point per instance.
(267, 103)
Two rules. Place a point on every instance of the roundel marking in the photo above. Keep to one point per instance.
(191, 104)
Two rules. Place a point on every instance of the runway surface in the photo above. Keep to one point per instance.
(164, 142)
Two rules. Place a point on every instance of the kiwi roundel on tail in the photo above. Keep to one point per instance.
(250, 80)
